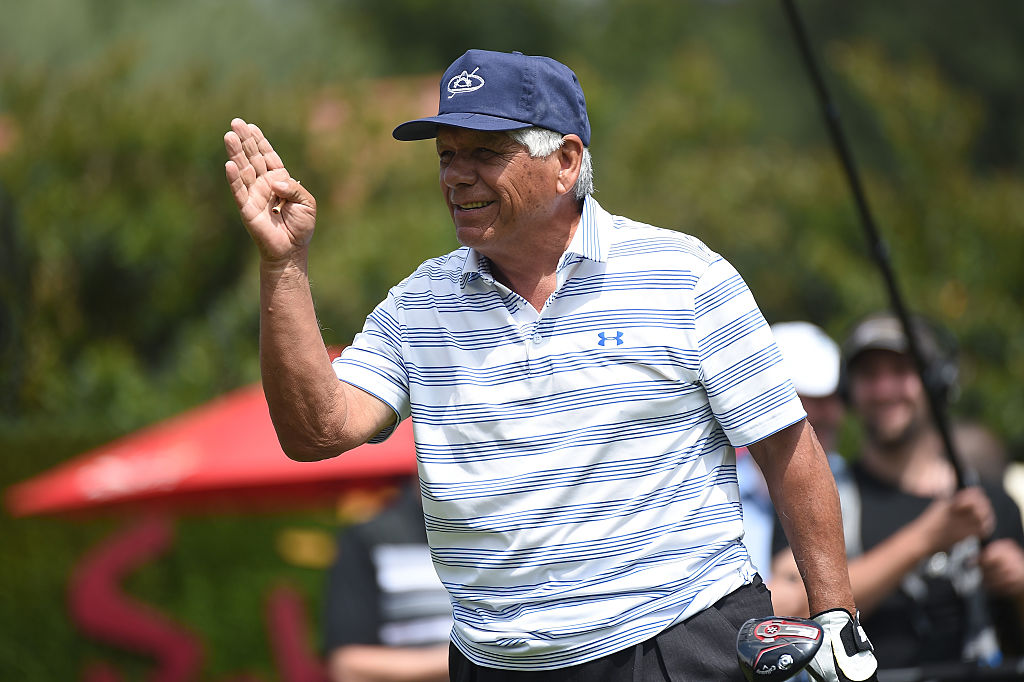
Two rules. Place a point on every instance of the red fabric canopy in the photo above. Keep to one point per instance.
(222, 454)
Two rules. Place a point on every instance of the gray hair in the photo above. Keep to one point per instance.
(542, 142)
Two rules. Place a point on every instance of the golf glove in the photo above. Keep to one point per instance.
(846, 654)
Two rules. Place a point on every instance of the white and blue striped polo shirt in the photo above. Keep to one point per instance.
(578, 480)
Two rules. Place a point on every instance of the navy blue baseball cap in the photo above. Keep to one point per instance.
(484, 90)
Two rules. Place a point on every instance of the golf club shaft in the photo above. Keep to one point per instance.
(876, 244)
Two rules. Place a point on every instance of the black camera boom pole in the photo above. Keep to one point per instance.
(876, 245)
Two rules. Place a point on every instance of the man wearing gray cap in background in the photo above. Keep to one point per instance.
(910, 540)
(577, 382)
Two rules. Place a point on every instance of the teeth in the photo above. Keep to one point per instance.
(473, 204)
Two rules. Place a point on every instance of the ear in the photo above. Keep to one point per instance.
(570, 158)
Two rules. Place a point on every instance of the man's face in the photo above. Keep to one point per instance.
(887, 393)
(494, 190)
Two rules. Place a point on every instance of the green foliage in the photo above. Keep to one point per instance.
(128, 240)
(956, 232)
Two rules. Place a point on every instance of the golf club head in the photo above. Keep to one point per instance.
(774, 649)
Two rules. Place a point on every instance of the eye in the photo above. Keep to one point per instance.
(485, 153)
(444, 156)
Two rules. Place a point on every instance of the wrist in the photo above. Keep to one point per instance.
(851, 612)
(921, 539)
(294, 265)
(836, 609)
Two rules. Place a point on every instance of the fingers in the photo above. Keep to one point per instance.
(236, 153)
(250, 145)
(270, 202)
(950, 520)
(973, 504)
(239, 190)
(252, 167)
(270, 157)
(1002, 564)
(250, 150)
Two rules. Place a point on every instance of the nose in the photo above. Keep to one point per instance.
(458, 171)
(880, 386)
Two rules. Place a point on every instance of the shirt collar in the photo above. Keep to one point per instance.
(591, 241)
(474, 265)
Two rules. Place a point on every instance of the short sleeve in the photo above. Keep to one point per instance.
(374, 363)
(740, 366)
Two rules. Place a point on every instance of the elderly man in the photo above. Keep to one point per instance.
(577, 382)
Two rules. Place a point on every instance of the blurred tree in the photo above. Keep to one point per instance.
(306, 42)
(426, 36)
(122, 229)
(785, 218)
(975, 46)
(956, 232)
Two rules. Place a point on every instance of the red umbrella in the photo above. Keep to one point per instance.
(218, 454)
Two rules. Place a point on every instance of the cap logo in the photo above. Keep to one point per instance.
(465, 82)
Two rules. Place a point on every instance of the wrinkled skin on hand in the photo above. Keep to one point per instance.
(259, 181)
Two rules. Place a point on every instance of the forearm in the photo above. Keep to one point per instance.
(367, 663)
(806, 500)
(787, 587)
(873, 576)
(307, 402)
(818, 547)
(877, 573)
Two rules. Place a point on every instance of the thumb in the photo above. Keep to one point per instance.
(290, 190)
(283, 188)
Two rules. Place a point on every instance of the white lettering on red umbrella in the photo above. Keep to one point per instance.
(118, 476)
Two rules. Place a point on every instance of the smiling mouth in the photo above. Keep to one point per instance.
(473, 205)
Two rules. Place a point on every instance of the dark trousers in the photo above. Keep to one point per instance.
(701, 648)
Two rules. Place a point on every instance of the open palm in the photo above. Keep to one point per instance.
(258, 182)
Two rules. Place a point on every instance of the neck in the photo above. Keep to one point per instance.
(531, 268)
(534, 284)
(917, 466)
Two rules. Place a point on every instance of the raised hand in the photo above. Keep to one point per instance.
(259, 182)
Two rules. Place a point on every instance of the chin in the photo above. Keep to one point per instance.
(894, 436)
(469, 235)
(464, 238)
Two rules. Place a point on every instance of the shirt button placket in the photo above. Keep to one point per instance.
(525, 332)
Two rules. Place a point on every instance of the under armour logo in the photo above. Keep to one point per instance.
(465, 82)
(606, 337)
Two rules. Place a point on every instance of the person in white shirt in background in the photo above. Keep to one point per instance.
(811, 358)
